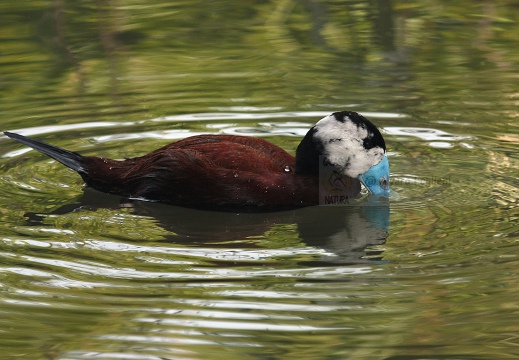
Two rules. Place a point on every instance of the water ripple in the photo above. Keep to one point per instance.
(178, 134)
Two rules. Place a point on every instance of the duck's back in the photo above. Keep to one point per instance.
(237, 152)
(223, 172)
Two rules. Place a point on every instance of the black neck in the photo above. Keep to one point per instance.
(307, 155)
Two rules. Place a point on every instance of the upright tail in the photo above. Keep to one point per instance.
(68, 158)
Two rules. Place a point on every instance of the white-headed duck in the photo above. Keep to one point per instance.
(239, 173)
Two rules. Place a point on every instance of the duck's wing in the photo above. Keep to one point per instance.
(238, 152)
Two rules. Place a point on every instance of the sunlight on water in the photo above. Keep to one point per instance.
(255, 116)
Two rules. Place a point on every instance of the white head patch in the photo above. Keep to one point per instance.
(343, 145)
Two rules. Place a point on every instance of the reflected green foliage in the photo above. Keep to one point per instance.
(169, 58)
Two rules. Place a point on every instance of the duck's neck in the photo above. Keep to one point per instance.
(307, 155)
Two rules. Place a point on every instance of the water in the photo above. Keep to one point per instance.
(433, 276)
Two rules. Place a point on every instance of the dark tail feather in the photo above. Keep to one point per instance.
(67, 158)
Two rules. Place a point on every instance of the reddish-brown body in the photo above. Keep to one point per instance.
(209, 171)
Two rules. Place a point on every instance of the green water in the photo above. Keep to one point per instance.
(85, 275)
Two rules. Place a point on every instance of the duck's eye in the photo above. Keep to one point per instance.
(383, 183)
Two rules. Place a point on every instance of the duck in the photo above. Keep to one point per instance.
(241, 173)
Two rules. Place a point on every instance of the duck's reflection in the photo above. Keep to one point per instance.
(345, 233)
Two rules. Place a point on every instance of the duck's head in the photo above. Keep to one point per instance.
(352, 144)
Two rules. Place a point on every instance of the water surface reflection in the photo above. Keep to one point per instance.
(339, 234)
